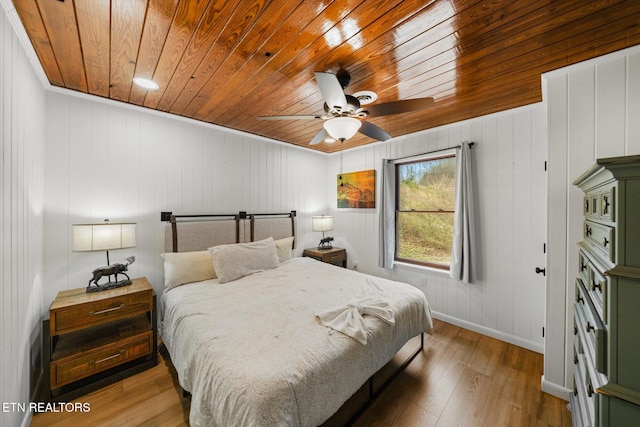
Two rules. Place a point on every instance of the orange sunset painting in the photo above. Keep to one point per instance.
(357, 189)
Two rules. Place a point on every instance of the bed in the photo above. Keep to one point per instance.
(257, 349)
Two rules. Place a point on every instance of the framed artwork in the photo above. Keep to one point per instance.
(357, 190)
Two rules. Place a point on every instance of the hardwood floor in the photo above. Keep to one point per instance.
(461, 378)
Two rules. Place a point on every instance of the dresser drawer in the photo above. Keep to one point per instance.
(590, 327)
(599, 204)
(83, 365)
(601, 237)
(581, 399)
(597, 285)
(92, 313)
(583, 266)
(607, 204)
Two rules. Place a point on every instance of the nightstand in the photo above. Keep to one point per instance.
(336, 256)
(94, 339)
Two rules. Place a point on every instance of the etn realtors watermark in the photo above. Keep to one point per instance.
(46, 407)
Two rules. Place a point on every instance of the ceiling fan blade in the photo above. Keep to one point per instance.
(397, 107)
(320, 136)
(373, 131)
(288, 117)
(331, 90)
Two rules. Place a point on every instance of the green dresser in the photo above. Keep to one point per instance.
(606, 311)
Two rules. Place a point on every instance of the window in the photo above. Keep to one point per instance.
(425, 203)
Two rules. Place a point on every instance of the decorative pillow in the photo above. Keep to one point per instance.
(234, 261)
(284, 248)
(186, 267)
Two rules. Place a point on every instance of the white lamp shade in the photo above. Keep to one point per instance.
(342, 128)
(103, 237)
(322, 223)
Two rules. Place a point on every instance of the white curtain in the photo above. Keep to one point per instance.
(463, 262)
(387, 215)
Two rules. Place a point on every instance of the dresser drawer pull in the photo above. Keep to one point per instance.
(575, 330)
(579, 298)
(95, 313)
(575, 391)
(595, 286)
(583, 266)
(589, 389)
(605, 242)
(587, 231)
(575, 360)
(590, 328)
(118, 354)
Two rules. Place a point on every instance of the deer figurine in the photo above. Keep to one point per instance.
(110, 270)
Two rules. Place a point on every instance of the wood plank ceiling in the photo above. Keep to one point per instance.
(227, 62)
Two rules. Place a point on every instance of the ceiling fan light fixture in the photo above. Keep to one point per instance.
(342, 128)
(366, 96)
(146, 83)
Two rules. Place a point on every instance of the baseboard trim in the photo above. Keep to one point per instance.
(511, 339)
(554, 389)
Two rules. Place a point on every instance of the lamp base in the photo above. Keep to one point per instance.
(325, 243)
(109, 285)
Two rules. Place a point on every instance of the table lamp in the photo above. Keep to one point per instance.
(323, 223)
(105, 237)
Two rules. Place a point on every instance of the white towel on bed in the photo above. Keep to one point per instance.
(349, 319)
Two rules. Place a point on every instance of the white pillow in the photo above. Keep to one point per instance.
(284, 248)
(234, 261)
(186, 267)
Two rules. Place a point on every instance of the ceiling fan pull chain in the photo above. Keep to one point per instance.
(340, 177)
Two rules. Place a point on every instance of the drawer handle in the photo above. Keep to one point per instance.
(95, 313)
(590, 328)
(605, 242)
(586, 206)
(579, 298)
(118, 354)
(583, 266)
(589, 389)
(587, 231)
(595, 285)
(575, 360)
(575, 330)
(575, 391)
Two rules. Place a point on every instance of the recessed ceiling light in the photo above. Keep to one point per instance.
(145, 83)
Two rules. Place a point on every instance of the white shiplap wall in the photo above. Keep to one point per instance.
(507, 301)
(105, 160)
(22, 113)
(594, 112)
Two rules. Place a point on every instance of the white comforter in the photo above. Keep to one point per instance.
(252, 353)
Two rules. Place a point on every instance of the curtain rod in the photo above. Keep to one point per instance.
(429, 152)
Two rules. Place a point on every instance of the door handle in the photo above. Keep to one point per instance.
(541, 270)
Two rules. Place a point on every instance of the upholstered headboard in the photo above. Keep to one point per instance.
(278, 226)
(186, 233)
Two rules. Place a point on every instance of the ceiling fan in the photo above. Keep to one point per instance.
(344, 114)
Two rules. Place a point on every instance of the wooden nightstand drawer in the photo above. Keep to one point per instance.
(336, 256)
(115, 304)
(82, 365)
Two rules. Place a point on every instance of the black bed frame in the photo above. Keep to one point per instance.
(373, 393)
